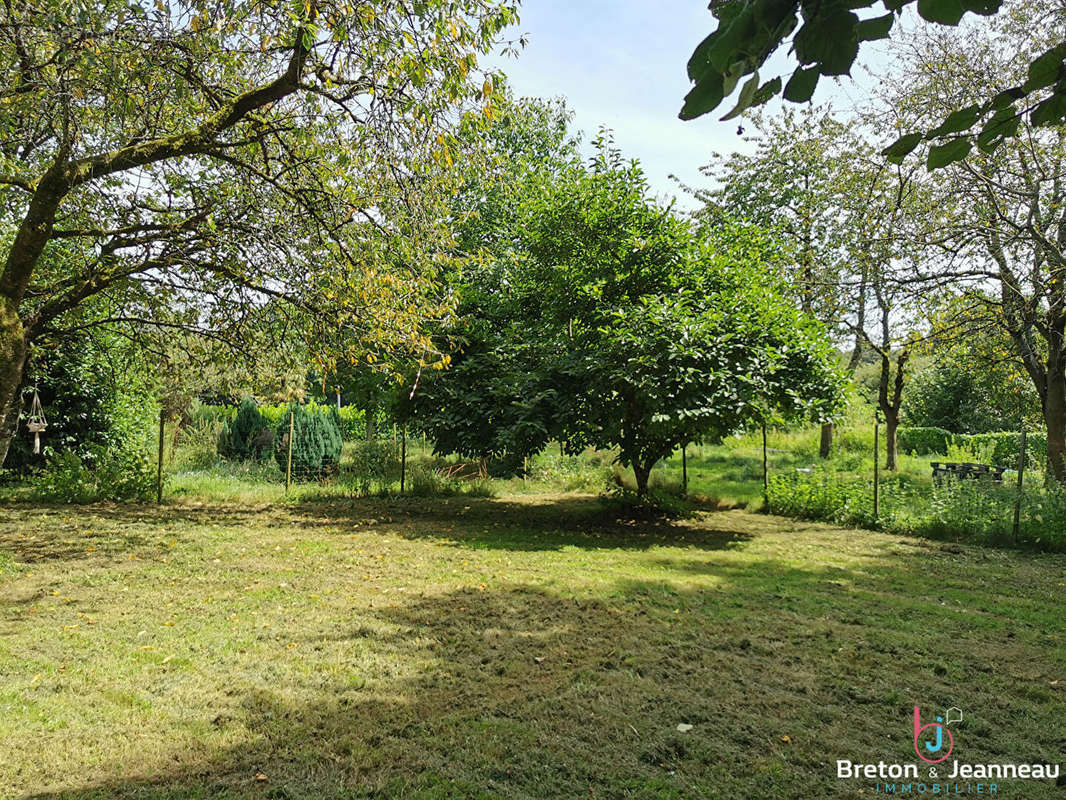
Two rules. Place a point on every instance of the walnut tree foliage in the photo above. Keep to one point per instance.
(825, 36)
(197, 160)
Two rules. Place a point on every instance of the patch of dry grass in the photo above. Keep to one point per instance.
(519, 647)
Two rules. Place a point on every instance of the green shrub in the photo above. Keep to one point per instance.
(352, 423)
(821, 495)
(205, 415)
(95, 395)
(375, 462)
(967, 509)
(316, 442)
(111, 474)
(248, 436)
(924, 441)
(349, 418)
(1044, 519)
(423, 480)
(625, 503)
(1003, 449)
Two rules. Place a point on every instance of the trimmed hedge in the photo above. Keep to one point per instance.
(924, 441)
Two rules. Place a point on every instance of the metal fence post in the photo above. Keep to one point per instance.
(765, 472)
(288, 463)
(877, 476)
(159, 470)
(1018, 499)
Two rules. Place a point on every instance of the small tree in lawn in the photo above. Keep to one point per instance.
(702, 362)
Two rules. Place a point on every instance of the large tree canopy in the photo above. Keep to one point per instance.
(825, 37)
(603, 319)
(194, 159)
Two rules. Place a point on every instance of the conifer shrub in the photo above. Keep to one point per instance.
(248, 436)
(316, 443)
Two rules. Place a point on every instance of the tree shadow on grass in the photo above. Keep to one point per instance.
(526, 693)
(35, 534)
(528, 524)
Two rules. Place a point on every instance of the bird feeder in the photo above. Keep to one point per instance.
(37, 422)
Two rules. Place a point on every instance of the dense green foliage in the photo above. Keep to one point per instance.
(95, 473)
(248, 436)
(350, 418)
(601, 319)
(965, 511)
(921, 441)
(827, 43)
(375, 463)
(1001, 448)
(94, 396)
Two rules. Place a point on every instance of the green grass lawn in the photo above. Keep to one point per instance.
(519, 647)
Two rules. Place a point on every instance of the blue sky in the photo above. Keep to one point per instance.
(621, 63)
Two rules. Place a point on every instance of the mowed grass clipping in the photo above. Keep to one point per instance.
(524, 647)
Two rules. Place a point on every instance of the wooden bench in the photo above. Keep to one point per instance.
(962, 471)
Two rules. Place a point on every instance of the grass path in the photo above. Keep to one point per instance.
(516, 648)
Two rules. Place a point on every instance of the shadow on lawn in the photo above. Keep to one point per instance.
(522, 692)
(34, 533)
(521, 525)
(519, 693)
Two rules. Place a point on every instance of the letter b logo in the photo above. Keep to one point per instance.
(937, 735)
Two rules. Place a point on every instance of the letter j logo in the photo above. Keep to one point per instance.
(931, 747)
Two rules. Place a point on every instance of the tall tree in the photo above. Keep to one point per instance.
(218, 153)
(799, 184)
(1000, 215)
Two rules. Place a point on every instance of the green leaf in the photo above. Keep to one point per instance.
(766, 91)
(705, 96)
(1004, 123)
(961, 120)
(1052, 110)
(946, 12)
(719, 40)
(876, 28)
(902, 147)
(747, 94)
(1006, 97)
(830, 40)
(1046, 68)
(800, 87)
(940, 155)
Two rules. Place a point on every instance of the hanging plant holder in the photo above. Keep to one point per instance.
(37, 422)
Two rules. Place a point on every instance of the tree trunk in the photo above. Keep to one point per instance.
(13, 349)
(891, 402)
(368, 416)
(825, 447)
(1055, 416)
(891, 426)
(641, 472)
